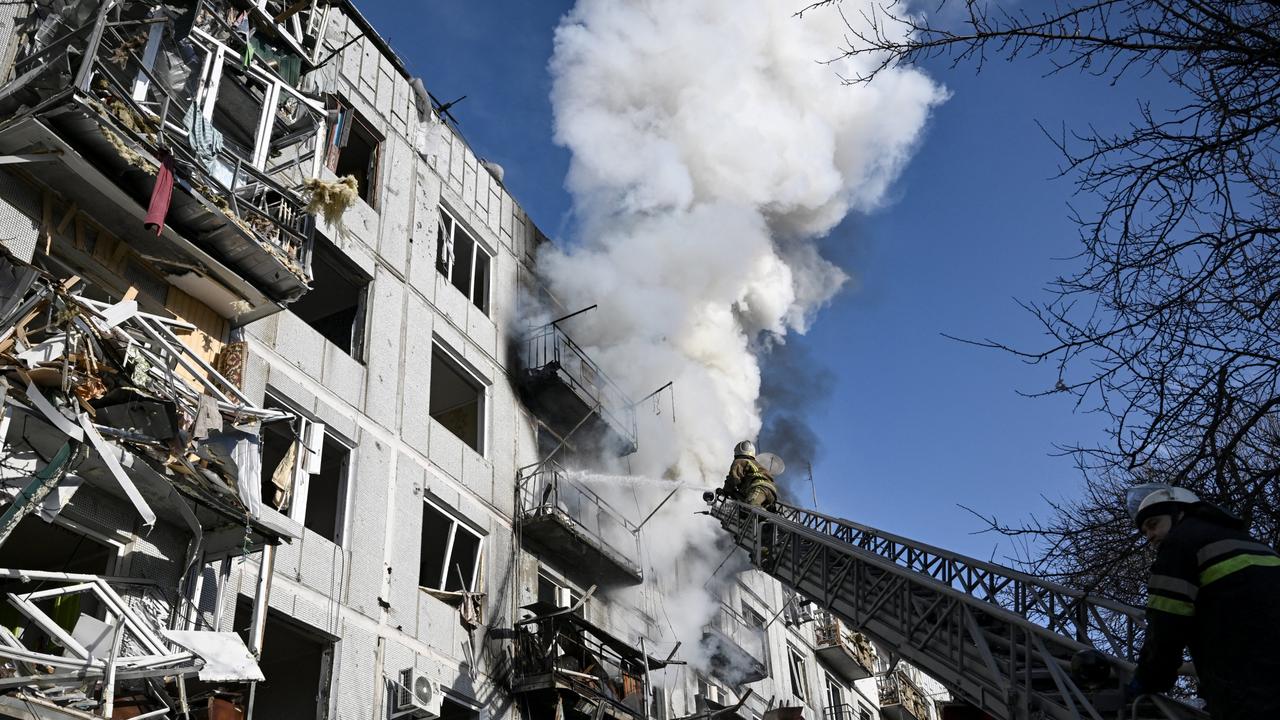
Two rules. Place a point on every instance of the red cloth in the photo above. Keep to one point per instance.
(161, 194)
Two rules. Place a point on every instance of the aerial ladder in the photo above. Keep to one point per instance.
(998, 639)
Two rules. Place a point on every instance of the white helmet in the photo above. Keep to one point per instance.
(746, 447)
(1147, 500)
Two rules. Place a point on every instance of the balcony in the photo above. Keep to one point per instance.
(850, 654)
(561, 517)
(737, 649)
(843, 711)
(563, 660)
(105, 106)
(574, 396)
(901, 699)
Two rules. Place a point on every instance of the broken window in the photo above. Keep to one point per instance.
(799, 674)
(450, 558)
(297, 663)
(463, 261)
(457, 399)
(304, 472)
(353, 149)
(557, 591)
(335, 307)
(835, 693)
(711, 692)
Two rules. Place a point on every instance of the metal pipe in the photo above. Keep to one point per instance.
(557, 321)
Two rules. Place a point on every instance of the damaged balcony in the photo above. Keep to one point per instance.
(111, 397)
(137, 98)
(574, 397)
(561, 517)
(737, 648)
(900, 698)
(850, 654)
(563, 666)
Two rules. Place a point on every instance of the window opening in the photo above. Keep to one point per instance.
(457, 399)
(354, 149)
(450, 551)
(305, 471)
(38, 545)
(297, 663)
(558, 592)
(462, 261)
(335, 307)
(799, 677)
(864, 712)
(835, 692)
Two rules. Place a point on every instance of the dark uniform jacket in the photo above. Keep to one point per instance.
(1215, 590)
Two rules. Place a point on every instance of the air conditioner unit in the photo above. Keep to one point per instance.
(564, 597)
(416, 696)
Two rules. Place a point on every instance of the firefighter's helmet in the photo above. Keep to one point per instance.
(746, 447)
(1150, 499)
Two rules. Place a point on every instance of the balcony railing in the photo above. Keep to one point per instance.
(849, 652)
(900, 698)
(564, 652)
(548, 492)
(549, 351)
(737, 648)
(158, 98)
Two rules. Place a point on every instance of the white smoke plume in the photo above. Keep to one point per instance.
(710, 150)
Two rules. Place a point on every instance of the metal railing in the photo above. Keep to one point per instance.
(550, 347)
(1000, 640)
(896, 688)
(830, 632)
(1106, 624)
(256, 202)
(577, 660)
(549, 489)
(742, 633)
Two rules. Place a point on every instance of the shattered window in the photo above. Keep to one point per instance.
(556, 591)
(304, 472)
(353, 149)
(835, 692)
(799, 675)
(335, 307)
(450, 551)
(457, 399)
(463, 261)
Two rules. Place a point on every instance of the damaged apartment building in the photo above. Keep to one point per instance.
(275, 442)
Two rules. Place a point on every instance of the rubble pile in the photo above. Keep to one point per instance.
(110, 396)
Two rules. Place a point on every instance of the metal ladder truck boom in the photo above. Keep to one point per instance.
(998, 639)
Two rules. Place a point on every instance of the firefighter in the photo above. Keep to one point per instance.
(1215, 590)
(747, 480)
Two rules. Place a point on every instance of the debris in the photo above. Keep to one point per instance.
(331, 199)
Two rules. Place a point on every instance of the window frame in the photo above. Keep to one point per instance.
(325, 250)
(454, 225)
(338, 135)
(311, 433)
(833, 689)
(456, 521)
(799, 673)
(482, 386)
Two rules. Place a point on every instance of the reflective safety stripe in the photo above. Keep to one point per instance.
(1173, 586)
(1214, 549)
(1217, 571)
(1173, 607)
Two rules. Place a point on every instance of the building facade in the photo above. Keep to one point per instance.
(391, 510)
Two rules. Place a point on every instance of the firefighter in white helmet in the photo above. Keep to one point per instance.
(747, 480)
(1214, 590)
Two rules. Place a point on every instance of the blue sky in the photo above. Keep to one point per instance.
(914, 424)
